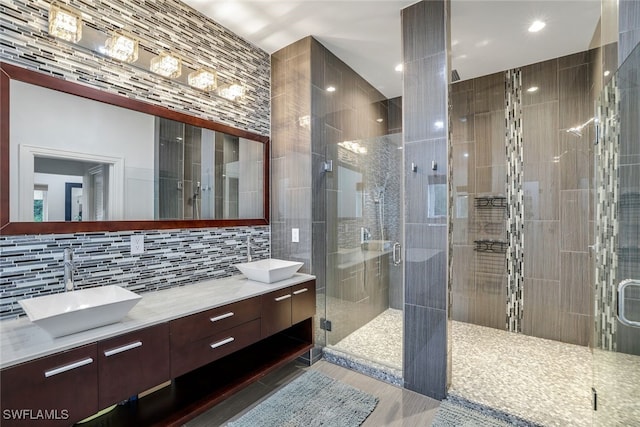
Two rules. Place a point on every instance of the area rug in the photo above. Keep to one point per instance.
(313, 399)
(457, 412)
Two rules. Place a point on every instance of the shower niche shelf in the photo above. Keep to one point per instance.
(490, 246)
(490, 202)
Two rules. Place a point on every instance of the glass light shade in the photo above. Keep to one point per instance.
(166, 65)
(121, 47)
(203, 79)
(65, 24)
(232, 91)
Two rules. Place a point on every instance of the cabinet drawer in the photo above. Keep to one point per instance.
(196, 354)
(64, 387)
(197, 326)
(303, 304)
(132, 363)
(276, 311)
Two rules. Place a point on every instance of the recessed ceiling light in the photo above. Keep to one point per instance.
(399, 68)
(536, 26)
(379, 120)
(532, 89)
(439, 124)
(606, 73)
(331, 89)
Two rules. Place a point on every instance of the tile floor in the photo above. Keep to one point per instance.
(544, 381)
(396, 407)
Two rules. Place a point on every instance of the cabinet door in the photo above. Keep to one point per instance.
(276, 312)
(55, 390)
(132, 363)
(303, 303)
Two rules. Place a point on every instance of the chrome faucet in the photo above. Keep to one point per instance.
(249, 248)
(69, 269)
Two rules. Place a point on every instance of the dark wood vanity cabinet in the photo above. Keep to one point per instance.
(131, 363)
(207, 355)
(205, 337)
(56, 390)
(286, 307)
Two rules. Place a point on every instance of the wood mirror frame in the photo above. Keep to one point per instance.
(11, 72)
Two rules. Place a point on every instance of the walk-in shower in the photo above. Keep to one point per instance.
(542, 236)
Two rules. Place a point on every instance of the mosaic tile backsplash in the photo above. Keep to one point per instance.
(170, 25)
(32, 265)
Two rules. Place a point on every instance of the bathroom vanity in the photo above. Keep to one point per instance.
(209, 339)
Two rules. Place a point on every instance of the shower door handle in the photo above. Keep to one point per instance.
(397, 255)
(621, 311)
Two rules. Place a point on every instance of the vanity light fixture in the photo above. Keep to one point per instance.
(121, 47)
(166, 65)
(64, 23)
(536, 26)
(232, 91)
(203, 79)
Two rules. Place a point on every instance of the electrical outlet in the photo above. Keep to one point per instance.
(137, 244)
(295, 235)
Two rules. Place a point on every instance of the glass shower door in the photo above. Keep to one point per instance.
(616, 340)
(364, 291)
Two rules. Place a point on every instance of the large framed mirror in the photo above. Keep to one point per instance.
(77, 159)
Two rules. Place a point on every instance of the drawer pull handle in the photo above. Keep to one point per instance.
(68, 367)
(283, 297)
(223, 342)
(222, 316)
(300, 291)
(123, 348)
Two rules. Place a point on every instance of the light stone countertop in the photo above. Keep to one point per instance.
(22, 341)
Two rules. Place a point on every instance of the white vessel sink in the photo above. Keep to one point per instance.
(269, 270)
(69, 312)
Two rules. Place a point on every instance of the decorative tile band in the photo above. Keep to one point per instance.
(515, 200)
(32, 265)
(172, 25)
(606, 234)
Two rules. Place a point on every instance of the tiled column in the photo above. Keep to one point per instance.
(291, 152)
(425, 122)
(629, 27)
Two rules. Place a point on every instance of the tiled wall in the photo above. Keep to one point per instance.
(479, 169)
(548, 181)
(425, 39)
(32, 265)
(169, 25)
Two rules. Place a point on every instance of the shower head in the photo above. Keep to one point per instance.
(577, 130)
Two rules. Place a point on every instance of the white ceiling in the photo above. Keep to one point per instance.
(487, 36)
